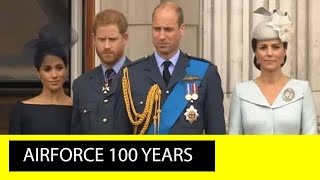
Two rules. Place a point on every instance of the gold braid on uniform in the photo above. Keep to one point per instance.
(153, 102)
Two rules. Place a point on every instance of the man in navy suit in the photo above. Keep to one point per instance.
(191, 93)
(96, 105)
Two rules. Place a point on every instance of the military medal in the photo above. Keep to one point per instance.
(105, 88)
(191, 87)
(194, 91)
(288, 94)
(188, 97)
(191, 114)
(191, 90)
(109, 75)
(188, 91)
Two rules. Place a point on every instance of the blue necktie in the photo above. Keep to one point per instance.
(109, 75)
(166, 73)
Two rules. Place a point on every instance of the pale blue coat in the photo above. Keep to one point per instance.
(250, 112)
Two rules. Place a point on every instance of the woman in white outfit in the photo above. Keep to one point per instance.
(273, 103)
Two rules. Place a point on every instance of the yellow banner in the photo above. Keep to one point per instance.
(237, 157)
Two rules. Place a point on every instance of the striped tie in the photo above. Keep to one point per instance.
(109, 75)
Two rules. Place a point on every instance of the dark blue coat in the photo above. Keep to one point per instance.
(144, 73)
(95, 112)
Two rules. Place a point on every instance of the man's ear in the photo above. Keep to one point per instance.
(182, 29)
(125, 37)
(93, 36)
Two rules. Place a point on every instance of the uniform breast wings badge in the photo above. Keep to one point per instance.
(288, 94)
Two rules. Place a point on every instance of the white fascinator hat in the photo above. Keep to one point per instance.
(275, 25)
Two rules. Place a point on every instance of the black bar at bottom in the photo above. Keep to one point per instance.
(112, 156)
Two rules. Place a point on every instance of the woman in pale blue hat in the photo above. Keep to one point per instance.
(273, 103)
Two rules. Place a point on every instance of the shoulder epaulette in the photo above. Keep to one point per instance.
(139, 60)
(197, 58)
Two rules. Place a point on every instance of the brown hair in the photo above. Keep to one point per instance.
(254, 43)
(168, 4)
(110, 17)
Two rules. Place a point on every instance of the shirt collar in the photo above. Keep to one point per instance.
(116, 67)
(173, 60)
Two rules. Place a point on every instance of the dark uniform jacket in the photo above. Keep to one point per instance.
(95, 112)
(144, 73)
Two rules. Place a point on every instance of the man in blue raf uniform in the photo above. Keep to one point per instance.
(170, 92)
(96, 93)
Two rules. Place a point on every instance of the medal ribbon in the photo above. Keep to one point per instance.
(176, 102)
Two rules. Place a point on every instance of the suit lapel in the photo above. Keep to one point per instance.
(254, 95)
(153, 72)
(298, 91)
(96, 79)
(179, 71)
